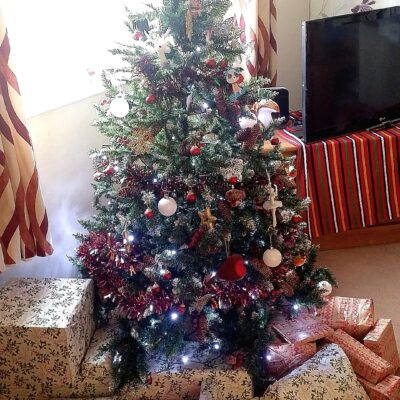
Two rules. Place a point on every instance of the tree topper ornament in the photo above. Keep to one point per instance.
(161, 45)
(272, 203)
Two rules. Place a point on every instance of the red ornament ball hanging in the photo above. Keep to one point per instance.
(233, 180)
(167, 276)
(181, 309)
(155, 289)
(150, 99)
(190, 197)
(275, 141)
(137, 35)
(195, 150)
(232, 269)
(149, 213)
(297, 218)
(210, 63)
(299, 260)
(222, 64)
(293, 173)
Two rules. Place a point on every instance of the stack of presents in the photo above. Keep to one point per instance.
(49, 348)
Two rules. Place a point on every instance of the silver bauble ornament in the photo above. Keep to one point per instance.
(326, 287)
(167, 206)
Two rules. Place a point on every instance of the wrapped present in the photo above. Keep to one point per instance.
(303, 329)
(45, 329)
(352, 315)
(281, 358)
(388, 389)
(95, 378)
(327, 375)
(381, 341)
(222, 387)
(174, 379)
(365, 362)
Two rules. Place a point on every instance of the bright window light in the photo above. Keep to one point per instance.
(59, 48)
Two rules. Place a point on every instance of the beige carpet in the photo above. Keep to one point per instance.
(372, 272)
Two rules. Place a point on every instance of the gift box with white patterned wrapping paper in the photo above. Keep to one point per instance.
(45, 329)
(388, 389)
(327, 375)
(352, 315)
(381, 341)
(365, 362)
(174, 380)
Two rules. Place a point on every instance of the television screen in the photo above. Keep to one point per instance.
(351, 72)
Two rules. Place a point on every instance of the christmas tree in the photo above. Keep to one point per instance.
(199, 234)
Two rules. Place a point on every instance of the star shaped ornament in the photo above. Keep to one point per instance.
(207, 219)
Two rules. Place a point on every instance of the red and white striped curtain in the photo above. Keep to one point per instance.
(258, 19)
(23, 217)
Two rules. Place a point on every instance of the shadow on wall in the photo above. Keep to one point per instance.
(62, 139)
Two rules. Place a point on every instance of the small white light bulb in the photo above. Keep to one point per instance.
(173, 252)
(155, 180)
(174, 316)
(217, 346)
(131, 238)
(213, 273)
(269, 357)
(198, 49)
(296, 307)
(185, 359)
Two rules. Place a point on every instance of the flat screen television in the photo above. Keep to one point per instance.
(351, 72)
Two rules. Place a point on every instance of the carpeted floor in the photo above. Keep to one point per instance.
(372, 272)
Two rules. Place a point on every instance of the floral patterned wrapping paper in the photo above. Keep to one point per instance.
(352, 315)
(388, 389)
(327, 375)
(45, 329)
(364, 361)
(281, 358)
(171, 380)
(304, 329)
(381, 341)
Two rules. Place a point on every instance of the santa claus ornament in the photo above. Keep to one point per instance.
(232, 269)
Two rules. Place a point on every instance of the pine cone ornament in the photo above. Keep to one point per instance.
(292, 278)
(287, 289)
(220, 103)
(197, 236)
(254, 137)
(184, 148)
(260, 267)
(250, 224)
(244, 134)
(224, 210)
(202, 328)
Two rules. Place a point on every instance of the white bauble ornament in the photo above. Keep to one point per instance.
(246, 122)
(167, 206)
(326, 286)
(272, 257)
(119, 107)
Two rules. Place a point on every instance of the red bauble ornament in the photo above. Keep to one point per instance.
(275, 141)
(233, 180)
(181, 309)
(232, 269)
(195, 150)
(298, 261)
(190, 197)
(297, 218)
(211, 63)
(137, 35)
(293, 173)
(109, 170)
(149, 213)
(167, 276)
(150, 99)
(222, 64)
(155, 289)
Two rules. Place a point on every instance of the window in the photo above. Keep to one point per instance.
(59, 47)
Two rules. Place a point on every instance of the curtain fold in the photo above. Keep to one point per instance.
(258, 20)
(23, 217)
